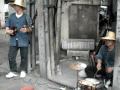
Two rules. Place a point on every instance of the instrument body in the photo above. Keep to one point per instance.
(91, 84)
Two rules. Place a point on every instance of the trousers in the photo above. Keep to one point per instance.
(12, 58)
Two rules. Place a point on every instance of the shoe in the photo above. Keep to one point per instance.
(107, 83)
(22, 74)
(11, 75)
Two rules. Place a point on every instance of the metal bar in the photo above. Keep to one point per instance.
(33, 43)
(89, 2)
(32, 49)
(29, 49)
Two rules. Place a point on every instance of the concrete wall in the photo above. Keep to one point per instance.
(2, 14)
(116, 79)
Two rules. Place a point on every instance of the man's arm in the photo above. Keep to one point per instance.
(100, 58)
(99, 64)
(8, 31)
(26, 29)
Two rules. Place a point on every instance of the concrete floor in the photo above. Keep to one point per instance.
(68, 76)
(16, 83)
(36, 82)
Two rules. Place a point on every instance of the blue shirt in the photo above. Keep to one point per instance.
(106, 56)
(21, 37)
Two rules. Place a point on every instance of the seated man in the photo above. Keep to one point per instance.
(106, 55)
(104, 60)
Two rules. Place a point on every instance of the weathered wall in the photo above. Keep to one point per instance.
(2, 14)
(73, 20)
(41, 38)
(116, 81)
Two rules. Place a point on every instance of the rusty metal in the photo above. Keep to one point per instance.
(83, 21)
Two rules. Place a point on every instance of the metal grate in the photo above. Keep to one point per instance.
(78, 44)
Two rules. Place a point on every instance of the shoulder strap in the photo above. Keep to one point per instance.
(13, 14)
(27, 19)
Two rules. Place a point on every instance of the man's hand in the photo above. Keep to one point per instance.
(109, 69)
(99, 66)
(9, 31)
(24, 30)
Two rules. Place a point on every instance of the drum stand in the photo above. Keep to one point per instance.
(77, 83)
(77, 68)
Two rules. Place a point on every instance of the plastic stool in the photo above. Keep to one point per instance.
(27, 88)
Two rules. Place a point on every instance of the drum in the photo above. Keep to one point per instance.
(91, 84)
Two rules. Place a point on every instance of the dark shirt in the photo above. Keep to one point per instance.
(106, 56)
(21, 37)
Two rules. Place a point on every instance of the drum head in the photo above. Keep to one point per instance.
(93, 81)
(89, 82)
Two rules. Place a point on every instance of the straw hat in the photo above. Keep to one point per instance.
(109, 36)
(19, 3)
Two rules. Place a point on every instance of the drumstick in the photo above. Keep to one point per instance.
(96, 73)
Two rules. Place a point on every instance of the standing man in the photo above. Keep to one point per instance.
(106, 55)
(17, 27)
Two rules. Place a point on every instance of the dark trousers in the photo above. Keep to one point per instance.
(91, 70)
(12, 58)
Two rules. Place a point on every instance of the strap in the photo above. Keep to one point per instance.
(27, 20)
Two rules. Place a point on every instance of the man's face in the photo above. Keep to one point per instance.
(17, 8)
(109, 42)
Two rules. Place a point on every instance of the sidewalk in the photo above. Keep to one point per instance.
(31, 80)
(16, 83)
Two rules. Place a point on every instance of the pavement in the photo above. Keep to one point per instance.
(32, 79)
